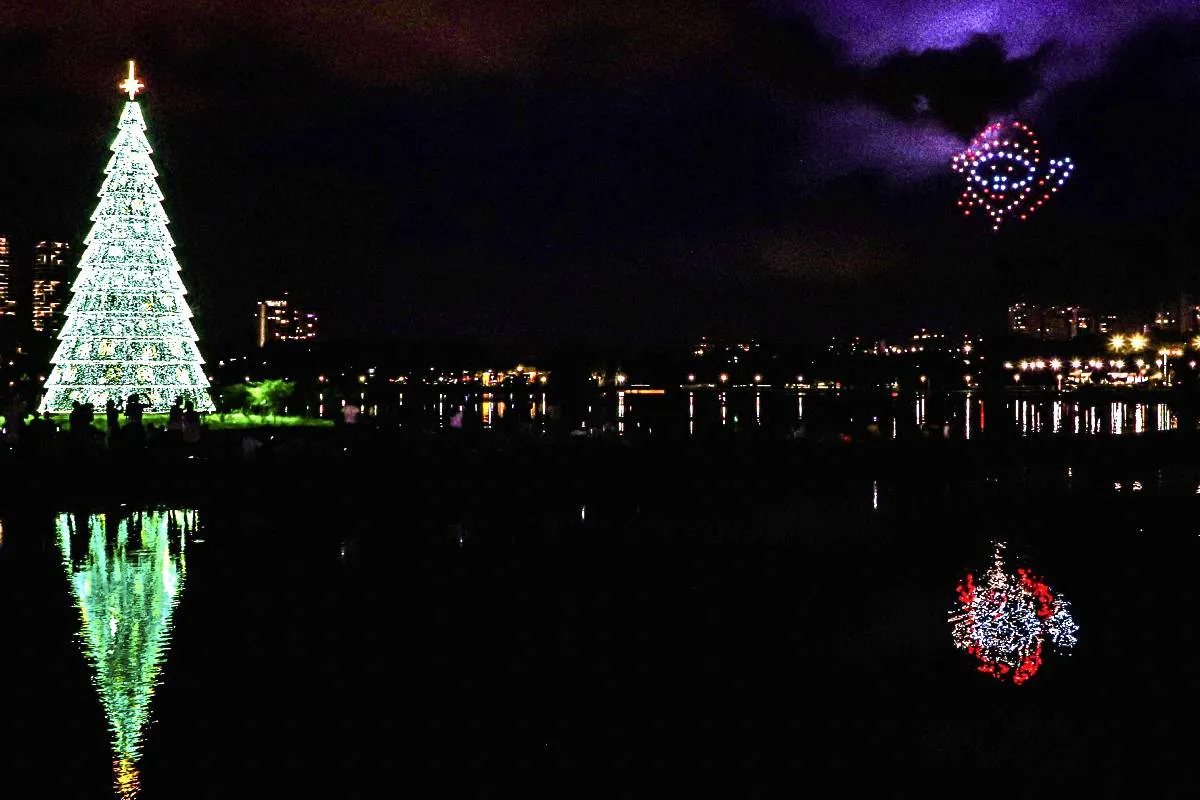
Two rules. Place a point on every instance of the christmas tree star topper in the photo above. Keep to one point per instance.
(131, 85)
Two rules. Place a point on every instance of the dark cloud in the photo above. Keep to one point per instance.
(791, 53)
(962, 89)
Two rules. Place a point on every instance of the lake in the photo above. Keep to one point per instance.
(690, 413)
(735, 639)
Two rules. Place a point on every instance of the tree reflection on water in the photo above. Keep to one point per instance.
(126, 574)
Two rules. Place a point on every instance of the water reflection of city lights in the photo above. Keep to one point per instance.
(1005, 619)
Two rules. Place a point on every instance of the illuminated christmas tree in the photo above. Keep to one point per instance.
(126, 585)
(128, 328)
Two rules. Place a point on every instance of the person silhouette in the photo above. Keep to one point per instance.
(190, 423)
(133, 409)
(175, 415)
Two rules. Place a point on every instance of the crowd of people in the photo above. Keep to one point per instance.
(28, 430)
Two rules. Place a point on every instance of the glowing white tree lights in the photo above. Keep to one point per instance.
(1005, 173)
(128, 328)
(1005, 620)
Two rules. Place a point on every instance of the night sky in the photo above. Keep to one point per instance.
(618, 172)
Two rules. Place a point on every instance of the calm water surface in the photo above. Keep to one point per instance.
(773, 647)
(683, 413)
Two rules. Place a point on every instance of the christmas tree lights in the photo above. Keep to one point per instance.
(1005, 174)
(126, 584)
(128, 328)
(1005, 620)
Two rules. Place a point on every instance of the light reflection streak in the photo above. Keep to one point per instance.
(126, 581)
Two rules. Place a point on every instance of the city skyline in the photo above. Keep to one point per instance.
(617, 177)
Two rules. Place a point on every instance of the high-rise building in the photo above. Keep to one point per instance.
(1178, 317)
(1188, 318)
(8, 299)
(49, 285)
(1060, 323)
(278, 321)
(1021, 318)
(1050, 323)
(304, 326)
(272, 320)
(1166, 319)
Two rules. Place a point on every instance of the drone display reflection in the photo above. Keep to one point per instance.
(1004, 619)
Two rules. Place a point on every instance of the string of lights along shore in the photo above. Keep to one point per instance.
(128, 328)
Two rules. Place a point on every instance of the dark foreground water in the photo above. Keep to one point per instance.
(740, 645)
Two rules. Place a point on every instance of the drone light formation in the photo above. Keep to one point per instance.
(1005, 173)
(1005, 620)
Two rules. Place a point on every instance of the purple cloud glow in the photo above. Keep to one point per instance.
(850, 136)
(1085, 30)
